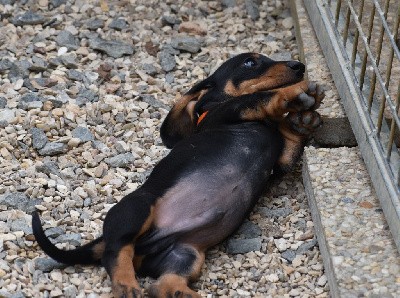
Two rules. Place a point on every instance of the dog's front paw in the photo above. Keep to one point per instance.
(316, 91)
(309, 98)
(305, 122)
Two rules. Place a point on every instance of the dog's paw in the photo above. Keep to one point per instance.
(123, 291)
(309, 98)
(176, 291)
(305, 122)
(316, 91)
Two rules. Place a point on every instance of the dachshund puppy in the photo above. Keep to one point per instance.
(228, 134)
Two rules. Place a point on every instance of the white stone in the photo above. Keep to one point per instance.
(62, 51)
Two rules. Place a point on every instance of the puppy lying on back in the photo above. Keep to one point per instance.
(228, 134)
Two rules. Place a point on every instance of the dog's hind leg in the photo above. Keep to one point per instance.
(124, 223)
(179, 265)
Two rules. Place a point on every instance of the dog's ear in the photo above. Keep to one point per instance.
(180, 121)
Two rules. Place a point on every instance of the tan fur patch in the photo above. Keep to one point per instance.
(292, 145)
(147, 224)
(276, 107)
(123, 273)
(98, 250)
(169, 284)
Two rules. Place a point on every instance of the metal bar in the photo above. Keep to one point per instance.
(378, 59)
(346, 26)
(355, 45)
(392, 40)
(375, 67)
(393, 127)
(389, 70)
(364, 63)
(338, 6)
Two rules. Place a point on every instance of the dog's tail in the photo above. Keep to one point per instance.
(89, 253)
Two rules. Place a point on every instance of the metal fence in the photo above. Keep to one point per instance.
(361, 41)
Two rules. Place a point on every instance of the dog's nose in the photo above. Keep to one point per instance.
(297, 66)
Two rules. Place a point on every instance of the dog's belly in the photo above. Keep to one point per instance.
(206, 206)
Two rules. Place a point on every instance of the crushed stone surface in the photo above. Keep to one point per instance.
(84, 87)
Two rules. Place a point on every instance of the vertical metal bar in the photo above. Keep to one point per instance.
(383, 101)
(346, 26)
(378, 58)
(337, 14)
(388, 73)
(364, 63)
(393, 127)
(355, 45)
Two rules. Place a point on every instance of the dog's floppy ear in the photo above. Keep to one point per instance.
(180, 121)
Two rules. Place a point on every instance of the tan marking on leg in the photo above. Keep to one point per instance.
(98, 250)
(137, 262)
(197, 266)
(123, 274)
(147, 224)
(292, 146)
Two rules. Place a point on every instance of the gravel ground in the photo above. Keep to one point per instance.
(84, 88)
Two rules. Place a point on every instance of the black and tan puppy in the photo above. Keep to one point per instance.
(228, 134)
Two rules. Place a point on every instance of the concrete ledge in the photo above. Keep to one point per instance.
(359, 254)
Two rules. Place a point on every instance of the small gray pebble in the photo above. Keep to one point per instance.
(167, 61)
(228, 3)
(94, 24)
(39, 138)
(21, 225)
(186, 43)
(241, 246)
(5, 64)
(306, 246)
(118, 24)
(83, 134)
(75, 75)
(48, 167)
(69, 60)
(249, 230)
(56, 3)
(276, 212)
(74, 239)
(113, 48)
(150, 69)
(47, 264)
(53, 148)
(252, 8)
(68, 40)
(86, 95)
(3, 102)
(28, 18)
(120, 160)
(288, 255)
(28, 98)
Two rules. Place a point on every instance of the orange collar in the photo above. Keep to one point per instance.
(201, 117)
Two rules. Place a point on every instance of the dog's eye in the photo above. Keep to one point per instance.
(249, 62)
